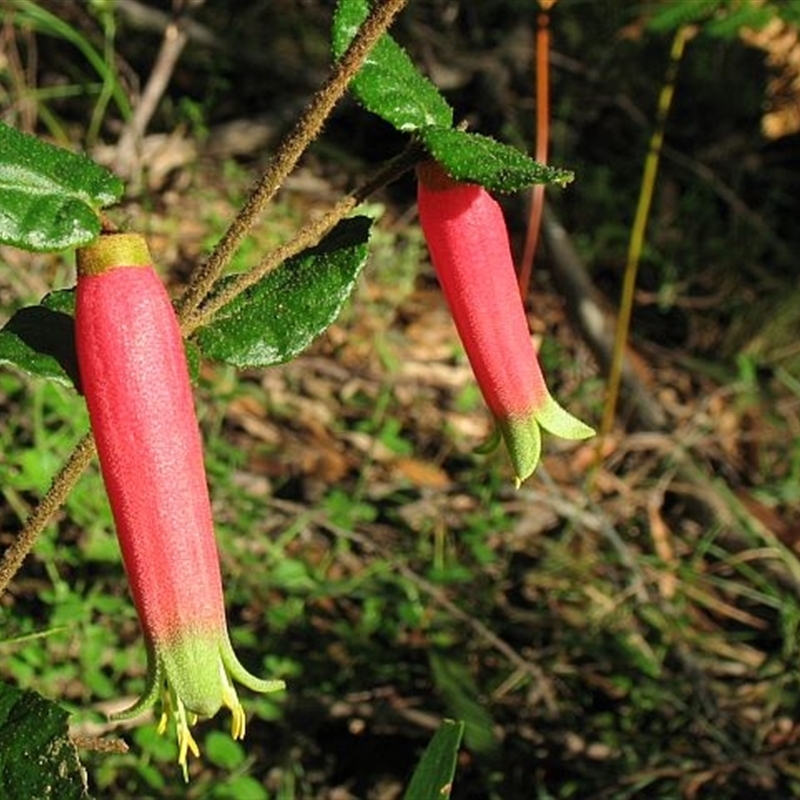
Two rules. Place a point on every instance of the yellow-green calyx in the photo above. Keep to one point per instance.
(193, 678)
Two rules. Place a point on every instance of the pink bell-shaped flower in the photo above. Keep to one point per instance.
(134, 376)
(468, 242)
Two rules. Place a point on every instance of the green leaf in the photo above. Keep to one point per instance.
(474, 158)
(40, 340)
(50, 197)
(729, 24)
(388, 84)
(37, 758)
(240, 787)
(282, 314)
(433, 777)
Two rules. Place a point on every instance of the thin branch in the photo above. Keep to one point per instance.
(306, 237)
(289, 151)
(638, 231)
(542, 144)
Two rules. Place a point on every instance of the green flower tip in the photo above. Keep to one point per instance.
(523, 437)
(553, 418)
(193, 679)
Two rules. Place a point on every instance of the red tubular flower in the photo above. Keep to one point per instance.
(136, 383)
(468, 242)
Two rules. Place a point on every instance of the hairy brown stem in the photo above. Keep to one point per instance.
(306, 237)
(289, 151)
(58, 492)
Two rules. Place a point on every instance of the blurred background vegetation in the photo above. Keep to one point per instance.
(623, 626)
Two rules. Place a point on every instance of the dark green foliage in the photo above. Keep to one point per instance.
(671, 15)
(37, 759)
(49, 197)
(479, 159)
(39, 340)
(389, 84)
(433, 778)
(283, 313)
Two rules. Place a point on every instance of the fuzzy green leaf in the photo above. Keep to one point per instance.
(474, 158)
(37, 758)
(433, 777)
(40, 340)
(388, 84)
(282, 314)
(50, 197)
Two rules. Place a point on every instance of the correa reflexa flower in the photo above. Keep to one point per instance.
(134, 376)
(468, 242)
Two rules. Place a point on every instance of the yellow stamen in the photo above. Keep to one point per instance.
(186, 741)
(172, 706)
(231, 700)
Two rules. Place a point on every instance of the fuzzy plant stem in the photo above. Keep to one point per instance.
(306, 237)
(289, 151)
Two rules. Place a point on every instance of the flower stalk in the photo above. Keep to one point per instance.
(470, 250)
